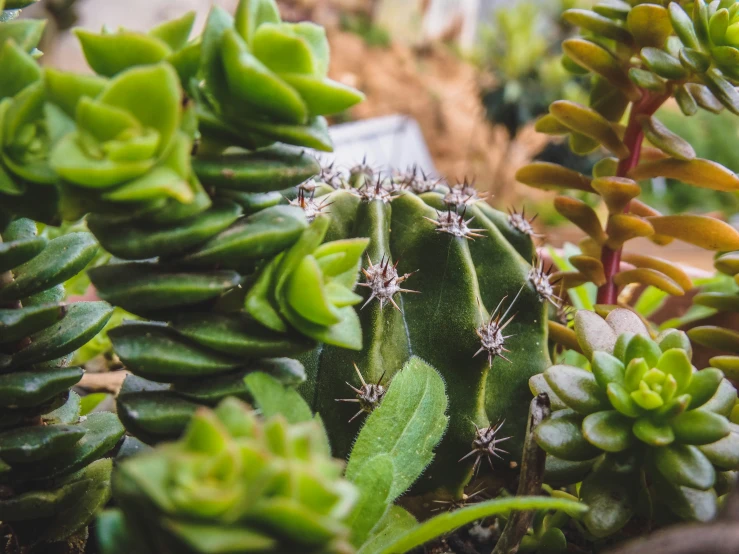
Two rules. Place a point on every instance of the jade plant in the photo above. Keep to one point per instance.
(446, 278)
(54, 474)
(644, 431)
(190, 214)
(239, 482)
(641, 55)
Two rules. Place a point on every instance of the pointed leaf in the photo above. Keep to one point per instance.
(272, 398)
(590, 123)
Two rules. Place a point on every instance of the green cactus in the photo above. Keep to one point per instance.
(466, 270)
(233, 483)
(713, 336)
(191, 229)
(643, 430)
(52, 468)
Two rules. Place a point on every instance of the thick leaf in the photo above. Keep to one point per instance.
(624, 227)
(561, 436)
(219, 539)
(715, 337)
(590, 123)
(650, 277)
(617, 192)
(594, 333)
(154, 415)
(611, 499)
(110, 53)
(699, 427)
(582, 215)
(704, 231)
(598, 24)
(272, 398)
(17, 252)
(666, 267)
(649, 24)
(159, 353)
(30, 444)
(599, 60)
(683, 26)
(664, 139)
(577, 388)
(62, 259)
(724, 454)
(407, 425)
(685, 465)
(697, 172)
(16, 324)
(660, 62)
(24, 389)
(547, 175)
(446, 522)
(609, 431)
(82, 322)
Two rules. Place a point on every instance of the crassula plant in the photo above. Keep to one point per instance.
(644, 431)
(641, 55)
(446, 278)
(53, 471)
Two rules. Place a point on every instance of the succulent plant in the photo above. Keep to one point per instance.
(712, 336)
(233, 483)
(443, 276)
(640, 55)
(53, 474)
(190, 231)
(643, 429)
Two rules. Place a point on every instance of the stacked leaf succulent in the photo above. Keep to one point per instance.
(645, 432)
(233, 483)
(443, 274)
(53, 474)
(190, 214)
(720, 338)
(640, 55)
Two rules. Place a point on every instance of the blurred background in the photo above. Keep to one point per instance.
(453, 86)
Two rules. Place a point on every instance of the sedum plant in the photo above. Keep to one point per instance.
(641, 55)
(187, 195)
(237, 482)
(54, 474)
(712, 336)
(643, 430)
(442, 279)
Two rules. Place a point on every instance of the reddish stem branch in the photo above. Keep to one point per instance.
(633, 138)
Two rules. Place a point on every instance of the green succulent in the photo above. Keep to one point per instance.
(642, 427)
(53, 470)
(233, 483)
(713, 336)
(443, 275)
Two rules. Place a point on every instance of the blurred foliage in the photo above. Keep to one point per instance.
(361, 24)
(713, 136)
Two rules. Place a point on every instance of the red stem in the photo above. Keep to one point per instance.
(633, 138)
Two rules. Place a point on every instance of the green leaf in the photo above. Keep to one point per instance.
(644, 348)
(30, 444)
(699, 427)
(219, 539)
(374, 482)
(724, 454)
(92, 401)
(653, 433)
(577, 388)
(685, 465)
(611, 499)
(19, 69)
(449, 521)
(620, 399)
(650, 24)
(607, 369)
(20, 323)
(109, 54)
(407, 425)
(560, 435)
(62, 259)
(676, 362)
(609, 431)
(683, 26)
(703, 385)
(81, 323)
(282, 50)
(323, 96)
(272, 398)
(251, 14)
(175, 32)
(65, 89)
(663, 64)
(394, 523)
(664, 139)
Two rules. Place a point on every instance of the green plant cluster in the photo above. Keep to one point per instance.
(53, 467)
(238, 482)
(640, 55)
(643, 430)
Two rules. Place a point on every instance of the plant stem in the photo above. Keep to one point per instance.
(633, 138)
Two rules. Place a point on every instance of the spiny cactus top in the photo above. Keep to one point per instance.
(443, 276)
(642, 427)
(52, 476)
(233, 483)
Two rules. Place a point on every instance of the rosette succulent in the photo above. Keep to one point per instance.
(234, 483)
(643, 430)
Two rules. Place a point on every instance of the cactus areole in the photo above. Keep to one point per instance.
(441, 279)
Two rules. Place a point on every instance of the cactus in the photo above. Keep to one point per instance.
(644, 431)
(52, 468)
(233, 483)
(191, 215)
(726, 340)
(443, 275)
